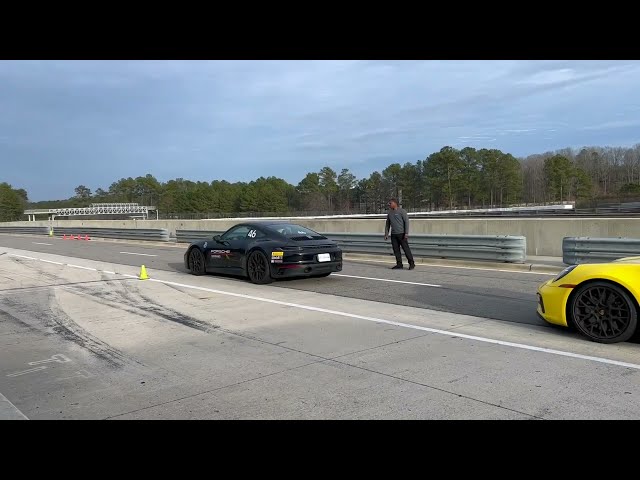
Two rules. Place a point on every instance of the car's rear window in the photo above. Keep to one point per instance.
(296, 232)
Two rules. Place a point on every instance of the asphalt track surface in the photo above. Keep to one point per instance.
(506, 296)
(81, 337)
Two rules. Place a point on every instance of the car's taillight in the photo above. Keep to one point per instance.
(290, 249)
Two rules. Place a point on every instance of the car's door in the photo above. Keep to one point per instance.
(236, 242)
(241, 243)
(223, 254)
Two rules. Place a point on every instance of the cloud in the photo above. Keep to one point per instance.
(234, 120)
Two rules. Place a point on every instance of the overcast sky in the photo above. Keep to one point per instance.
(65, 123)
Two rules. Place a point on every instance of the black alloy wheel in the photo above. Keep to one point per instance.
(258, 268)
(604, 312)
(196, 262)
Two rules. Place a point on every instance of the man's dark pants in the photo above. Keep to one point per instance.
(397, 241)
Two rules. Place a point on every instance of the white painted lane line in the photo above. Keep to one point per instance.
(8, 411)
(83, 268)
(127, 275)
(51, 261)
(521, 346)
(39, 243)
(459, 267)
(408, 325)
(142, 254)
(110, 273)
(22, 256)
(386, 280)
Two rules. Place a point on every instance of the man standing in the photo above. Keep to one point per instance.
(398, 222)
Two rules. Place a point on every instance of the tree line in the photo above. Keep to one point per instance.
(447, 179)
(12, 202)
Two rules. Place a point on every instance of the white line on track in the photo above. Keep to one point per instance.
(142, 254)
(386, 280)
(83, 268)
(407, 325)
(22, 256)
(449, 333)
(51, 261)
(40, 243)
(9, 411)
(458, 267)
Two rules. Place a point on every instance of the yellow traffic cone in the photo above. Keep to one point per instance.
(143, 273)
(51, 232)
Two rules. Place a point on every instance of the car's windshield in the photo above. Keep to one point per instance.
(290, 230)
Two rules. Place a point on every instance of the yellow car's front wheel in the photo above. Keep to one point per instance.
(604, 312)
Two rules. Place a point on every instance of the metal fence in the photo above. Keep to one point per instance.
(576, 250)
(158, 235)
(504, 248)
(509, 249)
(188, 236)
(25, 230)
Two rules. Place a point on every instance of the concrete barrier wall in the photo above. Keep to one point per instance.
(544, 235)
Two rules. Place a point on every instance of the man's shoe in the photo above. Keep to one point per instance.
(397, 267)
(412, 266)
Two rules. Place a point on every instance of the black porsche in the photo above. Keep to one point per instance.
(264, 251)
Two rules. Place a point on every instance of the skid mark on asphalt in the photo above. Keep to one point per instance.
(7, 316)
(73, 332)
(125, 297)
(18, 290)
(52, 319)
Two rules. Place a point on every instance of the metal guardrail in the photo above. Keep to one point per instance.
(189, 236)
(158, 235)
(577, 250)
(25, 230)
(509, 249)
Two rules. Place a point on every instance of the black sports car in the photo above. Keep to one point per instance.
(264, 251)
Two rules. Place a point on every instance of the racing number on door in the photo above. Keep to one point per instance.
(252, 234)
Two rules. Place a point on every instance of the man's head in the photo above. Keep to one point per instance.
(393, 203)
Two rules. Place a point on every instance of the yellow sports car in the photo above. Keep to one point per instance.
(600, 300)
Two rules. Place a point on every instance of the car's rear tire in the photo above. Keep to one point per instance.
(196, 262)
(603, 312)
(258, 268)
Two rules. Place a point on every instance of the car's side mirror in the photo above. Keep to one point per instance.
(218, 239)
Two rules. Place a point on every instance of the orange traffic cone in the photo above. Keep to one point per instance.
(64, 237)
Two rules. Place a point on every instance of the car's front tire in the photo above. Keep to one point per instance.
(258, 268)
(603, 312)
(196, 262)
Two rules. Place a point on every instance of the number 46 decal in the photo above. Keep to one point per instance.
(252, 234)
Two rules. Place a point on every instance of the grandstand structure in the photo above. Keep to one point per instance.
(132, 210)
